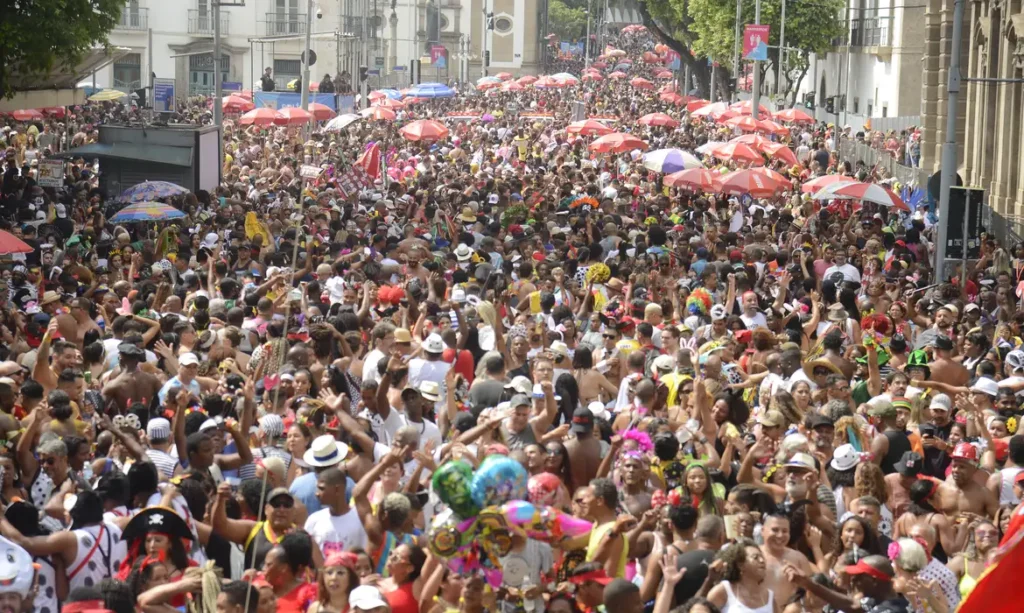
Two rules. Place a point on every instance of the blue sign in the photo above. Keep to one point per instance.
(279, 100)
(441, 62)
(231, 86)
(346, 104)
(375, 72)
(163, 95)
(399, 68)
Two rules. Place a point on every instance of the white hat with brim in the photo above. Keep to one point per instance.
(366, 598)
(325, 451)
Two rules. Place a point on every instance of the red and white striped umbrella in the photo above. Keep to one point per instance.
(743, 122)
(617, 142)
(749, 181)
(588, 127)
(754, 140)
(746, 108)
(818, 183)
(865, 192)
(512, 86)
(504, 76)
(659, 119)
(293, 116)
(716, 111)
(769, 126)
(27, 115)
(778, 151)
(672, 98)
(236, 104)
(390, 103)
(259, 117)
(694, 105)
(738, 152)
(794, 116)
(696, 179)
(775, 175)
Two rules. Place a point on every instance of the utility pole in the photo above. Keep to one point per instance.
(586, 45)
(949, 157)
(782, 49)
(218, 112)
(149, 68)
(483, 43)
(736, 53)
(755, 100)
(304, 97)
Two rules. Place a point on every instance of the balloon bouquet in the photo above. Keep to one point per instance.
(486, 508)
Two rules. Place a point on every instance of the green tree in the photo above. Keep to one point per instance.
(38, 36)
(568, 21)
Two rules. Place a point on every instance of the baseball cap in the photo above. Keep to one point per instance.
(519, 400)
(817, 420)
(188, 359)
(941, 402)
(771, 419)
(909, 464)
(943, 342)
(582, 420)
(520, 384)
(802, 461)
(279, 491)
(863, 568)
(986, 386)
(366, 598)
(881, 408)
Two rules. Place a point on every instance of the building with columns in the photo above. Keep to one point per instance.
(990, 127)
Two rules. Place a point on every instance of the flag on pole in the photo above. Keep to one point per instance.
(370, 160)
(990, 593)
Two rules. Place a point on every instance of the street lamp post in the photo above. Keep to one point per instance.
(586, 45)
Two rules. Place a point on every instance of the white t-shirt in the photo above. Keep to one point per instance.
(370, 365)
(421, 370)
(396, 420)
(757, 321)
(336, 533)
(850, 272)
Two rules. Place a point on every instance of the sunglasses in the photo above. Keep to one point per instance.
(48, 461)
(610, 337)
(282, 503)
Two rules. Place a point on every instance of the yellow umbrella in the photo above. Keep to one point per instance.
(107, 95)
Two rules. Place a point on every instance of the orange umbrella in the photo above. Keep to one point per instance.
(738, 152)
(743, 122)
(794, 116)
(769, 126)
(697, 179)
(779, 151)
(750, 182)
(236, 104)
(659, 119)
(10, 243)
(547, 82)
(424, 130)
(389, 103)
(259, 117)
(745, 108)
(754, 140)
(293, 116)
(817, 183)
(641, 83)
(617, 142)
(321, 112)
(588, 127)
(378, 113)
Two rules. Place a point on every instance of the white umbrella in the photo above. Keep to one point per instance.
(341, 122)
(708, 147)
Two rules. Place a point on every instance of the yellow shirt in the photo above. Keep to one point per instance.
(596, 535)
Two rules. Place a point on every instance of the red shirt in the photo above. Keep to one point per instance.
(401, 600)
(297, 600)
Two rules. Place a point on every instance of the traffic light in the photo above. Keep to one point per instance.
(809, 101)
(487, 57)
(830, 104)
(362, 73)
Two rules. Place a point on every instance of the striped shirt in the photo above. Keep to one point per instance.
(258, 453)
(164, 463)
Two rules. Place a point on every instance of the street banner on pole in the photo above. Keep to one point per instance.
(755, 42)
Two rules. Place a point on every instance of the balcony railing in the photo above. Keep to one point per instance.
(279, 24)
(133, 19)
(871, 32)
(201, 22)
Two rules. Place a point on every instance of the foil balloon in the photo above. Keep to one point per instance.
(452, 482)
(498, 480)
(444, 537)
(543, 488)
(543, 523)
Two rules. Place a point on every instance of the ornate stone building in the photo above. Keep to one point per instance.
(990, 127)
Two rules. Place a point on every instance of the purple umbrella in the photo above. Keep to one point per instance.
(487, 118)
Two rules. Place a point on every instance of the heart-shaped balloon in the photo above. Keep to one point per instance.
(271, 381)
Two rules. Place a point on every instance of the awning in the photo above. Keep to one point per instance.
(159, 154)
(58, 86)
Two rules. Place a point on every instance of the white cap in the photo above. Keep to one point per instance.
(366, 598)
(520, 384)
(188, 359)
(158, 429)
(433, 344)
(210, 241)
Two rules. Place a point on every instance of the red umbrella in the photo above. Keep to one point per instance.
(754, 140)
(750, 182)
(738, 152)
(794, 116)
(293, 116)
(547, 82)
(818, 183)
(321, 112)
(641, 83)
(694, 105)
(57, 111)
(777, 176)
(664, 74)
(378, 113)
(10, 243)
(424, 130)
(259, 117)
(588, 127)
(27, 115)
(769, 126)
(512, 86)
(618, 74)
(245, 93)
(599, 65)
(714, 110)
(779, 151)
(672, 98)
(527, 80)
(745, 108)
(592, 76)
(617, 142)
(652, 58)
(865, 192)
(504, 76)
(743, 122)
(659, 119)
(390, 103)
(413, 100)
(376, 95)
(236, 104)
(697, 179)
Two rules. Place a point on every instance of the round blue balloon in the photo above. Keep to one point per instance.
(498, 480)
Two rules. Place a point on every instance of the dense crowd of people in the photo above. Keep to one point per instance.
(510, 374)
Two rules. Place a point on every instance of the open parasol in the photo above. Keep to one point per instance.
(617, 142)
(424, 130)
(146, 211)
(151, 190)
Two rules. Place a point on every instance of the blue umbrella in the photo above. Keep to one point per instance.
(151, 190)
(146, 211)
(432, 90)
(624, 67)
(670, 160)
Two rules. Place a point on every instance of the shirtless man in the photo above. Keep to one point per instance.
(943, 367)
(961, 495)
(584, 450)
(65, 355)
(78, 323)
(777, 555)
(133, 384)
